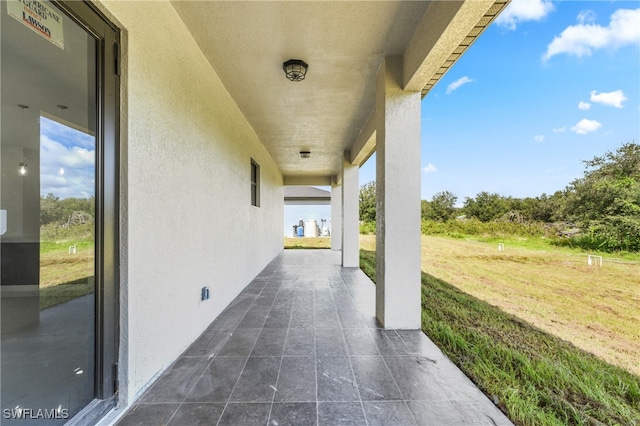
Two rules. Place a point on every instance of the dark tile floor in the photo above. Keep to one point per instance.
(300, 346)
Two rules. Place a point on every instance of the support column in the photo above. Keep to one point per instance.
(398, 294)
(336, 217)
(350, 214)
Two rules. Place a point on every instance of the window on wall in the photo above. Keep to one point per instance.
(255, 183)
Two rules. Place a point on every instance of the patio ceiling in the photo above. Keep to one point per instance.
(343, 42)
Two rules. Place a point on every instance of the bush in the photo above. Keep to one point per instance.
(367, 228)
(458, 228)
(54, 232)
(618, 233)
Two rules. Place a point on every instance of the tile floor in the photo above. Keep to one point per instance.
(300, 346)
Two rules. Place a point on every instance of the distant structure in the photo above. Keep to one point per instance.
(306, 195)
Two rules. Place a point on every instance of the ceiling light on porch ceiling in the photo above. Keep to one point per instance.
(295, 69)
(305, 154)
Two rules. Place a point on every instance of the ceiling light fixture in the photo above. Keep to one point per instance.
(295, 69)
(22, 167)
(305, 154)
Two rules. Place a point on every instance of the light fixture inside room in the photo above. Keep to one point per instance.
(22, 167)
(305, 154)
(295, 69)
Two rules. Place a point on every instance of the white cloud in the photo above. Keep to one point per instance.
(584, 105)
(539, 138)
(614, 99)
(71, 157)
(586, 17)
(459, 82)
(581, 39)
(523, 10)
(430, 168)
(78, 178)
(560, 129)
(585, 126)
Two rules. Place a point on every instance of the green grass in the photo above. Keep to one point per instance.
(307, 243)
(537, 378)
(368, 263)
(55, 238)
(65, 276)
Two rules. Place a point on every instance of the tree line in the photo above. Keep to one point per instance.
(56, 210)
(602, 206)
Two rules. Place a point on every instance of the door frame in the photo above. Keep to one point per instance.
(107, 248)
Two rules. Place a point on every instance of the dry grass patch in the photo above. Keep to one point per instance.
(595, 308)
(307, 243)
(65, 276)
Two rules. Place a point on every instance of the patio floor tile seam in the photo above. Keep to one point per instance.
(226, 404)
(315, 357)
(195, 382)
(399, 390)
(408, 352)
(350, 356)
(350, 363)
(275, 388)
(280, 366)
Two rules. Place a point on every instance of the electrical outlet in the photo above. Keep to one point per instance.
(204, 294)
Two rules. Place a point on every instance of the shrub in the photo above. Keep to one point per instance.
(618, 233)
(474, 227)
(367, 228)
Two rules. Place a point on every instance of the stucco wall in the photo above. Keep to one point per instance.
(189, 220)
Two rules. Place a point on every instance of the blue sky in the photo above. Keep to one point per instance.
(67, 161)
(547, 85)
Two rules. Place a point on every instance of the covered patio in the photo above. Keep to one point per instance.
(198, 122)
(301, 346)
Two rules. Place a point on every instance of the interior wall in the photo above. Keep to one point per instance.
(189, 218)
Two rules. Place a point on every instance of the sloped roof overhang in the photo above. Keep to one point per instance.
(296, 195)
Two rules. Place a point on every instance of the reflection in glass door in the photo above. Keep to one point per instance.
(51, 321)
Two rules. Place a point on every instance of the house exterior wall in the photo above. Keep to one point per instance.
(187, 217)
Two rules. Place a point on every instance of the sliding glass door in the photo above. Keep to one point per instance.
(58, 203)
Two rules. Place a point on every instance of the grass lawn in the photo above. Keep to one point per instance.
(65, 276)
(307, 243)
(538, 377)
(595, 308)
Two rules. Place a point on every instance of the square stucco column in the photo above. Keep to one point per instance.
(398, 294)
(336, 217)
(350, 214)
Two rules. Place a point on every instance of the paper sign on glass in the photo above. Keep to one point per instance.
(40, 17)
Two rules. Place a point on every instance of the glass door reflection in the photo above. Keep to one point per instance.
(48, 160)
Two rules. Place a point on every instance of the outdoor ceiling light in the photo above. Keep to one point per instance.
(305, 154)
(295, 69)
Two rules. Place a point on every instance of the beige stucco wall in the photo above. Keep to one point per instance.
(188, 220)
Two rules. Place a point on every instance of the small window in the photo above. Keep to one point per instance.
(255, 183)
